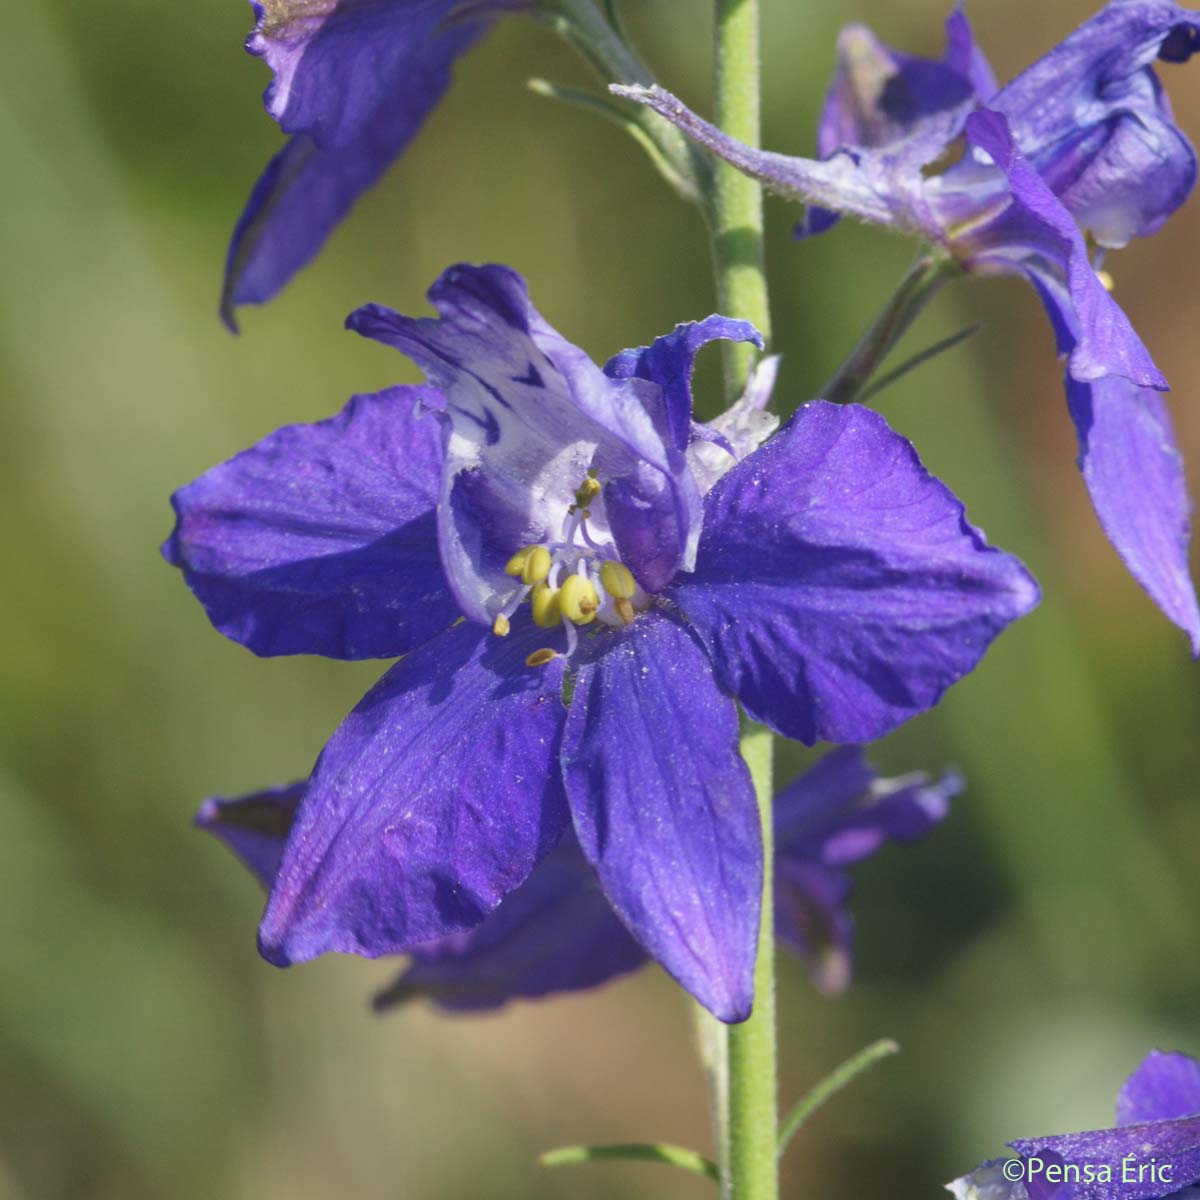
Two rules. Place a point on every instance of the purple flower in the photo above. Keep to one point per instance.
(353, 84)
(1079, 146)
(1153, 1152)
(627, 576)
(557, 932)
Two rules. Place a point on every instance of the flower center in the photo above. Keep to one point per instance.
(576, 581)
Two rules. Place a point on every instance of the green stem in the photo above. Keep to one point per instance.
(906, 303)
(742, 1058)
(750, 1169)
(735, 206)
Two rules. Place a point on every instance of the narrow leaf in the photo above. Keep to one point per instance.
(660, 1152)
(833, 1083)
(919, 360)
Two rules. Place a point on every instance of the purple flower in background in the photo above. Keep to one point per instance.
(1153, 1152)
(1080, 146)
(557, 932)
(353, 85)
(628, 577)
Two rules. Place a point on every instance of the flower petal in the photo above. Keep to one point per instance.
(321, 539)
(839, 587)
(840, 812)
(1034, 235)
(1164, 1087)
(1092, 118)
(555, 933)
(718, 445)
(664, 807)
(353, 84)
(529, 415)
(669, 361)
(434, 799)
(987, 1182)
(254, 827)
(1135, 476)
(1174, 1142)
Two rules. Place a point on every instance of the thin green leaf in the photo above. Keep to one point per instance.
(659, 1152)
(919, 360)
(833, 1083)
(630, 121)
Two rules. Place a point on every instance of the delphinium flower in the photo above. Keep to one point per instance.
(1152, 1152)
(353, 84)
(616, 614)
(557, 932)
(1080, 148)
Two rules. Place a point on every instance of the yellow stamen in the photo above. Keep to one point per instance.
(539, 658)
(578, 600)
(625, 610)
(1106, 280)
(501, 626)
(537, 566)
(546, 609)
(589, 489)
(516, 564)
(617, 580)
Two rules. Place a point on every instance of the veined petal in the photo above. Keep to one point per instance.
(528, 416)
(1135, 477)
(1091, 117)
(669, 361)
(1164, 1087)
(664, 807)
(1176, 1142)
(1034, 235)
(254, 827)
(555, 933)
(354, 82)
(434, 799)
(321, 539)
(839, 587)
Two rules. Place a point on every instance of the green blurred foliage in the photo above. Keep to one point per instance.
(1025, 957)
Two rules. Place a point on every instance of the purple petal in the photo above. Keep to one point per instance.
(840, 812)
(529, 415)
(1135, 476)
(555, 933)
(884, 187)
(321, 539)
(1092, 118)
(880, 97)
(353, 84)
(812, 919)
(1164, 1087)
(669, 361)
(1034, 235)
(664, 807)
(1176, 1143)
(434, 799)
(254, 827)
(839, 587)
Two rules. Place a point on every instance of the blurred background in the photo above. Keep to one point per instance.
(1026, 956)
